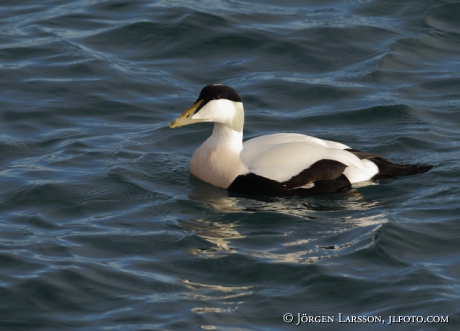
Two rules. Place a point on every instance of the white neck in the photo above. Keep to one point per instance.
(223, 134)
(217, 161)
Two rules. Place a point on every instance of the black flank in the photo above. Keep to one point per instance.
(324, 186)
(321, 170)
(326, 175)
(255, 184)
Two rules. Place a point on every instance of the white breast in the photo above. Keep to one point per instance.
(217, 166)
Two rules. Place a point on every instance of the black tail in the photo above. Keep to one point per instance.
(388, 169)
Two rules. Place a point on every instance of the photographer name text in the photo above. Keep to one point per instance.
(302, 318)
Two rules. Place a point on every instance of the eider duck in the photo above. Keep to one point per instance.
(274, 164)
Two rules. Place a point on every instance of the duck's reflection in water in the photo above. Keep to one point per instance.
(269, 233)
(291, 230)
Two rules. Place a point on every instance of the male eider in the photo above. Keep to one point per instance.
(275, 164)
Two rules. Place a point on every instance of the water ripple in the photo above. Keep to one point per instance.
(103, 227)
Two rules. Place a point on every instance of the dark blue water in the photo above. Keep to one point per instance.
(103, 228)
